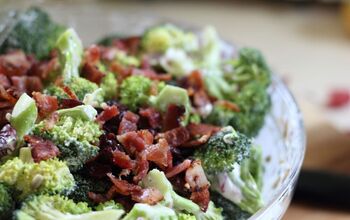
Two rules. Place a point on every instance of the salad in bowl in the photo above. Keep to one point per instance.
(155, 126)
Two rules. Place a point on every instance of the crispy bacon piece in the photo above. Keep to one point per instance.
(108, 113)
(123, 160)
(197, 142)
(91, 72)
(121, 71)
(4, 81)
(136, 141)
(51, 120)
(173, 117)
(128, 123)
(202, 129)
(129, 44)
(153, 117)
(176, 137)
(27, 84)
(158, 153)
(142, 167)
(69, 92)
(14, 63)
(41, 149)
(69, 103)
(7, 96)
(43, 69)
(92, 54)
(46, 104)
(184, 165)
(199, 184)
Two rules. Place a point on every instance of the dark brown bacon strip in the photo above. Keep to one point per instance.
(41, 149)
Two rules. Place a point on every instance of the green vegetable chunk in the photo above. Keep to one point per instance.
(109, 86)
(7, 203)
(84, 112)
(46, 207)
(147, 212)
(135, 91)
(35, 33)
(24, 115)
(223, 150)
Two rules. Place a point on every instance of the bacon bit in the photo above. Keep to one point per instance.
(149, 196)
(201, 197)
(44, 68)
(176, 137)
(14, 63)
(41, 149)
(91, 72)
(122, 160)
(120, 71)
(108, 113)
(338, 98)
(153, 117)
(158, 153)
(92, 54)
(69, 103)
(197, 142)
(173, 117)
(45, 103)
(228, 105)
(184, 165)
(141, 170)
(69, 92)
(128, 123)
(202, 129)
(149, 73)
(123, 187)
(4, 81)
(129, 44)
(108, 53)
(51, 120)
(199, 184)
(202, 102)
(136, 141)
(194, 81)
(26, 84)
(98, 198)
(5, 95)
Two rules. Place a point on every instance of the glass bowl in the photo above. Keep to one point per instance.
(282, 137)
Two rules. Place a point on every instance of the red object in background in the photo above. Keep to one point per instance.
(338, 98)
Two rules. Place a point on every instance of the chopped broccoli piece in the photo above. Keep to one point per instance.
(126, 60)
(7, 202)
(71, 51)
(50, 176)
(239, 187)
(177, 63)
(135, 91)
(69, 134)
(183, 216)
(108, 205)
(158, 180)
(84, 112)
(158, 39)
(223, 150)
(109, 86)
(255, 165)
(35, 33)
(229, 209)
(172, 95)
(209, 54)
(45, 207)
(24, 115)
(147, 212)
(84, 185)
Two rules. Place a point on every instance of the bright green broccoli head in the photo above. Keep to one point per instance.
(147, 212)
(183, 216)
(109, 86)
(50, 176)
(46, 207)
(32, 27)
(69, 134)
(158, 39)
(255, 165)
(135, 91)
(7, 202)
(111, 204)
(224, 149)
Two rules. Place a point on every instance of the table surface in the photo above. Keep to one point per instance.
(306, 45)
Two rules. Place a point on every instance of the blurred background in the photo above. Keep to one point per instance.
(308, 44)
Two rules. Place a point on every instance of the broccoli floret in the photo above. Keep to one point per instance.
(85, 185)
(7, 202)
(34, 33)
(183, 216)
(255, 165)
(177, 62)
(230, 210)
(223, 150)
(147, 212)
(50, 176)
(135, 91)
(239, 187)
(158, 39)
(158, 180)
(125, 59)
(69, 134)
(80, 86)
(108, 205)
(45, 207)
(109, 86)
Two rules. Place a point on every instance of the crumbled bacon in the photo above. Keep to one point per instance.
(202, 129)
(41, 149)
(135, 141)
(69, 92)
(176, 137)
(43, 69)
(7, 96)
(4, 81)
(173, 117)
(108, 113)
(129, 44)
(142, 167)
(153, 117)
(92, 54)
(45, 103)
(128, 122)
(51, 120)
(122, 160)
(158, 153)
(26, 84)
(14, 63)
(197, 142)
(184, 165)
(91, 72)
(201, 197)
(69, 103)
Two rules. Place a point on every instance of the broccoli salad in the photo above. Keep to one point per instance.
(155, 126)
